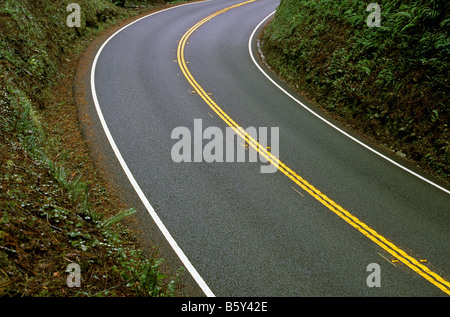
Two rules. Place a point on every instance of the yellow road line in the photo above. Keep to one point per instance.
(381, 241)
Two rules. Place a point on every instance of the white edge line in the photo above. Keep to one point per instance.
(329, 123)
(130, 176)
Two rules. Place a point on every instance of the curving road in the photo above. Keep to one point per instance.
(312, 228)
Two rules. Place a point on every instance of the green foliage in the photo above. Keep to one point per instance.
(34, 36)
(45, 206)
(390, 80)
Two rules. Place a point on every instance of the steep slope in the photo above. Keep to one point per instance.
(55, 208)
(391, 82)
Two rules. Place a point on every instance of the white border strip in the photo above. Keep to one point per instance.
(130, 176)
(329, 123)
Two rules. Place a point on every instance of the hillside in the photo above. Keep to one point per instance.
(390, 82)
(55, 208)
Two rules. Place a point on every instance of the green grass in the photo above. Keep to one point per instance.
(52, 211)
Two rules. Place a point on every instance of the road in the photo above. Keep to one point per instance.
(316, 226)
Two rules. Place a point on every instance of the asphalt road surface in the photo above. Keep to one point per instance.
(337, 219)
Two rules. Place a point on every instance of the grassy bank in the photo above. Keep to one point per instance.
(391, 82)
(54, 207)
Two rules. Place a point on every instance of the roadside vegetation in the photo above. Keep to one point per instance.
(391, 82)
(54, 207)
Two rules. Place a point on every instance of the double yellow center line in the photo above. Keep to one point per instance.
(381, 241)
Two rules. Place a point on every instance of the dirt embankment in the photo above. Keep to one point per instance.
(56, 206)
